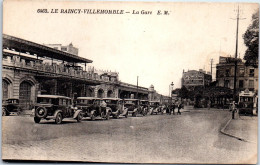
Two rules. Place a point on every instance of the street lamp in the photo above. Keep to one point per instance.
(171, 88)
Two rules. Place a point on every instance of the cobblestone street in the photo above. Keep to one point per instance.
(191, 137)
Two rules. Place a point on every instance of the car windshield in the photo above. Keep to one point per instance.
(129, 102)
(154, 103)
(110, 101)
(45, 100)
(12, 101)
(85, 101)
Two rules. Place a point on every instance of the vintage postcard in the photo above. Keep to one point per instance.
(130, 82)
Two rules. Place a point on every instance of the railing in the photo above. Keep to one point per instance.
(133, 86)
(55, 68)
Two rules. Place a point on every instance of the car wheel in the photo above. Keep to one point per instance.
(3, 112)
(108, 116)
(19, 112)
(102, 115)
(58, 119)
(37, 120)
(79, 117)
(41, 112)
(117, 116)
(133, 114)
(93, 117)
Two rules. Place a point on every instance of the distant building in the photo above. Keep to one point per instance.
(247, 76)
(68, 48)
(193, 78)
(155, 96)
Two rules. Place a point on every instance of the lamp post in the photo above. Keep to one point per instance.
(171, 88)
(137, 88)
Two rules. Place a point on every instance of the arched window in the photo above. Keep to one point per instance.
(90, 92)
(5, 86)
(25, 94)
(110, 93)
(100, 93)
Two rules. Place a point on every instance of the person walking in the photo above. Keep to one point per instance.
(179, 107)
(170, 109)
(103, 106)
(173, 108)
(209, 104)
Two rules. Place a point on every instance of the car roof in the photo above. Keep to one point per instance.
(12, 99)
(88, 98)
(145, 100)
(154, 101)
(111, 98)
(53, 96)
(130, 99)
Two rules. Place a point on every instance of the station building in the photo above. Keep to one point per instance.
(65, 48)
(30, 69)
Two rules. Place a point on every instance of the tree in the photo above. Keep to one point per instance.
(251, 41)
(183, 92)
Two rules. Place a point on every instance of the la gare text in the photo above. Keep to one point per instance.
(102, 11)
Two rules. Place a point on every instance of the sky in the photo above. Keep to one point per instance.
(156, 48)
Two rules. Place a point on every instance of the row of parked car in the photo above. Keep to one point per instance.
(59, 107)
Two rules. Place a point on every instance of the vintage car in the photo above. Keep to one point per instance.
(145, 106)
(11, 106)
(117, 107)
(155, 107)
(133, 107)
(55, 107)
(91, 107)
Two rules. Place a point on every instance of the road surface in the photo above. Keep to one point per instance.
(193, 137)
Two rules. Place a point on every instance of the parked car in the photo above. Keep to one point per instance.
(145, 106)
(133, 107)
(91, 107)
(55, 107)
(156, 108)
(117, 107)
(11, 106)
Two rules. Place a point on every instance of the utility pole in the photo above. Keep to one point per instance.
(235, 61)
(137, 88)
(211, 62)
(170, 92)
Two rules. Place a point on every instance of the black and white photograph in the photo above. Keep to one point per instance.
(130, 82)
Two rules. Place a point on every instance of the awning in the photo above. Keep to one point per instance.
(24, 46)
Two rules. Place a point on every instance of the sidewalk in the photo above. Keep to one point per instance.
(26, 112)
(243, 128)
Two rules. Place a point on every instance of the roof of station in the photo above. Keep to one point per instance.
(53, 96)
(24, 46)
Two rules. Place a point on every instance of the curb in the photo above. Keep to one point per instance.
(233, 136)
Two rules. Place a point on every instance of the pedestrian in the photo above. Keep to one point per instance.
(167, 110)
(234, 110)
(179, 107)
(173, 108)
(103, 106)
(209, 104)
(170, 109)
